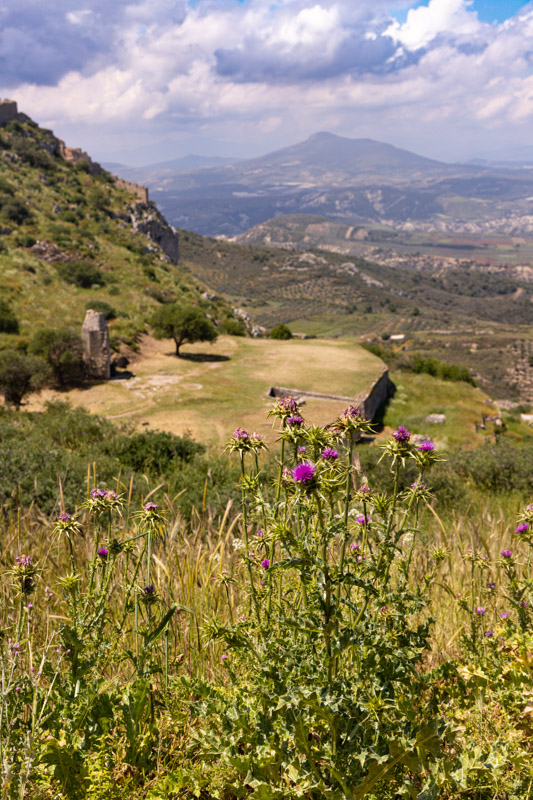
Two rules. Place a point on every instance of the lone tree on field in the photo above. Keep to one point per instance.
(21, 374)
(183, 324)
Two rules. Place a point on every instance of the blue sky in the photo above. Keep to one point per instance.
(140, 81)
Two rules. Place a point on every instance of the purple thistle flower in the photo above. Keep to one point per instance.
(351, 412)
(418, 485)
(24, 561)
(522, 528)
(149, 591)
(426, 446)
(361, 558)
(480, 611)
(355, 546)
(265, 563)
(506, 553)
(304, 473)
(150, 506)
(224, 657)
(260, 533)
(365, 489)
(362, 520)
(64, 517)
(488, 634)
(329, 454)
(295, 421)
(301, 450)
(504, 615)
(491, 585)
(288, 404)
(98, 493)
(524, 603)
(241, 435)
(103, 552)
(401, 434)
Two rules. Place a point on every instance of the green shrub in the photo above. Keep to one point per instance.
(104, 308)
(8, 320)
(234, 327)
(14, 210)
(183, 324)
(155, 451)
(21, 374)
(439, 369)
(63, 351)
(280, 332)
(80, 273)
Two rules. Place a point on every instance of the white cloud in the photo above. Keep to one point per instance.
(424, 23)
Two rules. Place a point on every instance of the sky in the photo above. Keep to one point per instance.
(142, 81)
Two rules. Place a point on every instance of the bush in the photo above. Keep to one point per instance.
(80, 273)
(439, 369)
(234, 327)
(8, 320)
(280, 332)
(63, 351)
(21, 374)
(15, 210)
(104, 308)
(156, 452)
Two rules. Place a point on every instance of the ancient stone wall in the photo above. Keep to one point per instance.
(8, 111)
(140, 192)
(368, 402)
(95, 337)
(75, 155)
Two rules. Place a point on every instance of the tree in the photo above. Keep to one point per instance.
(63, 351)
(8, 320)
(183, 324)
(21, 374)
(280, 331)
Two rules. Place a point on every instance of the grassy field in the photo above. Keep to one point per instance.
(215, 388)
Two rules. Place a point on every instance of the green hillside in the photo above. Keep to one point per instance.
(68, 239)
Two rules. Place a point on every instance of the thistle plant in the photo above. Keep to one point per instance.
(327, 692)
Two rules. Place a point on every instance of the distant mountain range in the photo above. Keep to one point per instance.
(349, 180)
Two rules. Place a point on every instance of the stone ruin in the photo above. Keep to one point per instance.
(95, 337)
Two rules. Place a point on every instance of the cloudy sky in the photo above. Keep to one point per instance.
(141, 81)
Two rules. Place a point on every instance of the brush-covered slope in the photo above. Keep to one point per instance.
(70, 239)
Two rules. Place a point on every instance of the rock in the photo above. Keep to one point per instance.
(209, 296)
(95, 337)
(148, 220)
(435, 419)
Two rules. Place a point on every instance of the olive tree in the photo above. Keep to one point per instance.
(183, 323)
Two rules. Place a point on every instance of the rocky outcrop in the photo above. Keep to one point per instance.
(146, 219)
(95, 337)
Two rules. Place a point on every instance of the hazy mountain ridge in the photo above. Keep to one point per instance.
(352, 180)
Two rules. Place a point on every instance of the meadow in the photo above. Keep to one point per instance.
(331, 630)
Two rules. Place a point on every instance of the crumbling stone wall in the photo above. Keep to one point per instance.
(75, 155)
(95, 337)
(140, 192)
(8, 111)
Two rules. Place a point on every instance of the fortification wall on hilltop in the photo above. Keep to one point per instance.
(8, 111)
(140, 192)
(75, 155)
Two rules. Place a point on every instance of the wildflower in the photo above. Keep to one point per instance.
(365, 490)
(506, 553)
(64, 517)
(150, 506)
(491, 585)
(148, 594)
(260, 533)
(103, 552)
(362, 519)
(98, 493)
(224, 657)
(426, 445)
(480, 611)
(355, 546)
(352, 412)
(24, 561)
(488, 634)
(285, 407)
(522, 528)
(401, 434)
(504, 615)
(295, 420)
(361, 558)
(240, 433)
(524, 603)
(301, 450)
(48, 592)
(304, 473)
(265, 563)
(329, 454)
